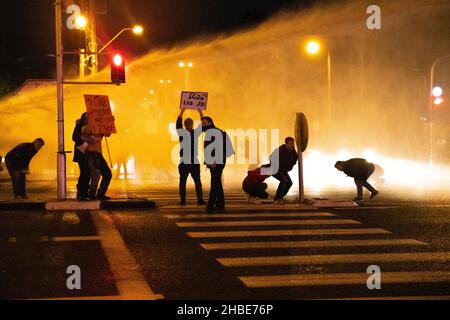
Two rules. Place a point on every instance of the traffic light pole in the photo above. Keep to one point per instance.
(61, 155)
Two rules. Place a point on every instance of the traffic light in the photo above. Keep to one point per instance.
(118, 69)
(437, 96)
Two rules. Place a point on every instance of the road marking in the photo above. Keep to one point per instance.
(336, 258)
(305, 280)
(45, 239)
(250, 215)
(265, 223)
(264, 233)
(12, 240)
(130, 282)
(310, 244)
(82, 238)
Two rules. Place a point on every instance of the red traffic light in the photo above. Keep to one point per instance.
(118, 59)
(118, 69)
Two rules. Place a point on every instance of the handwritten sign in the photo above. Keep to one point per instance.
(100, 117)
(194, 100)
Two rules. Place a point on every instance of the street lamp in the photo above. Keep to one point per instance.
(313, 47)
(80, 22)
(186, 66)
(137, 30)
(432, 97)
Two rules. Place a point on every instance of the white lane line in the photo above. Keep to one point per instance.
(266, 223)
(250, 215)
(82, 238)
(305, 280)
(130, 282)
(336, 258)
(266, 233)
(310, 244)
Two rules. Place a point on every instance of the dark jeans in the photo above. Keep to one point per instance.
(256, 190)
(97, 167)
(194, 170)
(360, 183)
(216, 195)
(17, 179)
(83, 179)
(284, 186)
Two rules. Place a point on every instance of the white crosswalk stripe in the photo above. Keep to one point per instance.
(247, 239)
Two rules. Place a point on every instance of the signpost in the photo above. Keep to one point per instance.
(194, 100)
(301, 138)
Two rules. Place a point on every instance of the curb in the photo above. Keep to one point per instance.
(74, 205)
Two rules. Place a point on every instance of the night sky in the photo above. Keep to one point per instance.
(27, 29)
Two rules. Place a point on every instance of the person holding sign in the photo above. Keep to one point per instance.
(81, 143)
(97, 165)
(189, 156)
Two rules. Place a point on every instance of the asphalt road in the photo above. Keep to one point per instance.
(250, 252)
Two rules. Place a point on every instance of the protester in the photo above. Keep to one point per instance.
(285, 157)
(359, 169)
(97, 165)
(18, 161)
(81, 143)
(189, 163)
(254, 186)
(218, 148)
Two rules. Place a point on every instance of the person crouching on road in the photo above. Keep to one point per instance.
(287, 157)
(18, 161)
(254, 185)
(97, 166)
(359, 169)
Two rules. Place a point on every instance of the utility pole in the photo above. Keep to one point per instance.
(61, 155)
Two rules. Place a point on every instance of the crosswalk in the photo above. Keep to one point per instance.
(313, 254)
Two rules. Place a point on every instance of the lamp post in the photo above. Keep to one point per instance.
(138, 30)
(61, 155)
(430, 106)
(186, 66)
(313, 47)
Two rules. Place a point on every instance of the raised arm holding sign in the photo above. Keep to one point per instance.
(194, 100)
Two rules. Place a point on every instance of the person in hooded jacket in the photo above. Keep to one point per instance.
(359, 169)
(218, 148)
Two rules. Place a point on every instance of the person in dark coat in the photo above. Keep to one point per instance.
(18, 161)
(359, 169)
(189, 163)
(81, 142)
(287, 157)
(216, 154)
(254, 184)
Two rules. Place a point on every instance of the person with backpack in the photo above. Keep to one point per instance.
(218, 148)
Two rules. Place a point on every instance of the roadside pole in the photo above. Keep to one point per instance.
(61, 157)
(301, 139)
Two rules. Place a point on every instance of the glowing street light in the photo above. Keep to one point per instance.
(312, 47)
(186, 66)
(436, 92)
(138, 30)
(80, 22)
